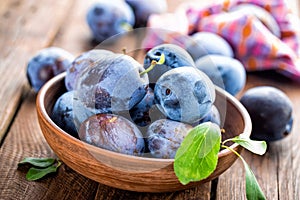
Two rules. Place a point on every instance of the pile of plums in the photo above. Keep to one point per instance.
(118, 104)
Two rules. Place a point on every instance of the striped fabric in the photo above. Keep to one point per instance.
(253, 43)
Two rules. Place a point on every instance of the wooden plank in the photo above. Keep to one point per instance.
(26, 27)
(26, 140)
(277, 171)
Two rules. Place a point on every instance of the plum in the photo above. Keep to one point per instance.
(146, 111)
(175, 56)
(112, 132)
(164, 137)
(46, 64)
(184, 94)
(143, 9)
(86, 59)
(225, 72)
(109, 18)
(213, 116)
(62, 113)
(270, 110)
(111, 86)
(206, 43)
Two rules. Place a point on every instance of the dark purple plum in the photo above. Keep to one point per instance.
(109, 18)
(175, 57)
(146, 111)
(62, 113)
(271, 113)
(86, 59)
(111, 86)
(164, 137)
(112, 132)
(206, 43)
(46, 64)
(184, 94)
(225, 72)
(143, 9)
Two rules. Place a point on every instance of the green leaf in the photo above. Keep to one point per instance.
(253, 190)
(257, 147)
(197, 156)
(37, 173)
(37, 162)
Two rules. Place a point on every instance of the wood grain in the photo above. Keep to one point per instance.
(277, 171)
(26, 140)
(25, 27)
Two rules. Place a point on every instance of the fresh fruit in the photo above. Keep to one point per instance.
(86, 59)
(62, 113)
(225, 72)
(109, 18)
(206, 43)
(184, 94)
(46, 64)
(175, 56)
(112, 132)
(113, 85)
(263, 15)
(143, 9)
(213, 116)
(165, 136)
(271, 112)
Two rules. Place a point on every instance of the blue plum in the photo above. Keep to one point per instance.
(112, 132)
(271, 112)
(184, 94)
(62, 113)
(86, 59)
(175, 56)
(109, 18)
(213, 116)
(206, 43)
(225, 72)
(46, 64)
(143, 9)
(111, 86)
(164, 137)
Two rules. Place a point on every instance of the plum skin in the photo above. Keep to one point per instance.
(84, 60)
(184, 94)
(164, 137)
(62, 113)
(175, 57)
(112, 132)
(270, 111)
(225, 72)
(46, 64)
(107, 18)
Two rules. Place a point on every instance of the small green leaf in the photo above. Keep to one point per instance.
(197, 156)
(257, 147)
(37, 162)
(253, 190)
(37, 173)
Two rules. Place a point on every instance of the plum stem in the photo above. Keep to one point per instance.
(153, 64)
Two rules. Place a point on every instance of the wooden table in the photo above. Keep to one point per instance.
(26, 27)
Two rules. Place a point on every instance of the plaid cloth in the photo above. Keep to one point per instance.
(253, 43)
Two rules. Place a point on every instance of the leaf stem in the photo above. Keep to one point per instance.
(153, 64)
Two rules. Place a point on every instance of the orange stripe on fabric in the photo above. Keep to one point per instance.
(252, 65)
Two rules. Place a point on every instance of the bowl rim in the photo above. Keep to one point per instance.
(41, 108)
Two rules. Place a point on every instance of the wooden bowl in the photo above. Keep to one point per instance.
(127, 172)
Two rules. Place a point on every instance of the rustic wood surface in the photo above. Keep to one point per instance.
(26, 27)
